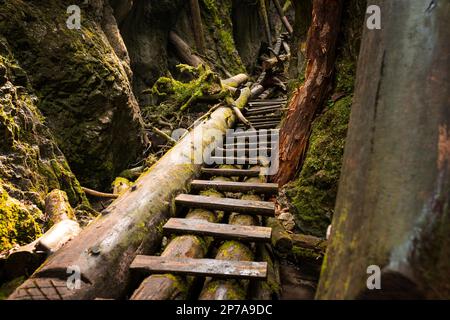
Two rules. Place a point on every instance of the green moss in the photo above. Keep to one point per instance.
(217, 17)
(18, 222)
(313, 194)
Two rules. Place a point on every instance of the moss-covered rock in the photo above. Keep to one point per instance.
(221, 52)
(82, 86)
(31, 164)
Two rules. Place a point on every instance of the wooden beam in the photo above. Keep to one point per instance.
(201, 267)
(262, 208)
(218, 230)
(231, 186)
(244, 150)
(231, 172)
(234, 160)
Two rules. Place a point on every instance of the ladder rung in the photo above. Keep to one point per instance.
(231, 172)
(201, 267)
(263, 208)
(230, 186)
(218, 230)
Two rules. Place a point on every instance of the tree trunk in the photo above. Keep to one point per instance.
(297, 63)
(311, 95)
(105, 249)
(393, 203)
(197, 26)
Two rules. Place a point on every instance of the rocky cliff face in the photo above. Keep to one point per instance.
(81, 79)
(31, 164)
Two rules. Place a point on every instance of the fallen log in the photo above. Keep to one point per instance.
(186, 246)
(104, 250)
(271, 288)
(183, 51)
(232, 289)
(235, 81)
(281, 240)
(283, 18)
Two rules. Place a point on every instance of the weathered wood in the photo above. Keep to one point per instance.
(281, 240)
(231, 172)
(183, 51)
(268, 111)
(201, 267)
(216, 289)
(217, 230)
(99, 194)
(309, 98)
(271, 288)
(235, 81)
(197, 26)
(283, 18)
(268, 125)
(248, 144)
(250, 133)
(267, 103)
(393, 203)
(57, 207)
(271, 63)
(231, 186)
(106, 247)
(262, 208)
(235, 160)
(244, 151)
(58, 235)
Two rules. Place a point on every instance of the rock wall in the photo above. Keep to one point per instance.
(82, 84)
(31, 164)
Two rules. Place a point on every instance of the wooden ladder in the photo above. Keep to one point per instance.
(244, 143)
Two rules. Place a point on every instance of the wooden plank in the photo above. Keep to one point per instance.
(266, 103)
(243, 150)
(266, 108)
(252, 133)
(264, 119)
(231, 172)
(263, 208)
(247, 144)
(234, 160)
(201, 267)
(265, 111)
(218, 230)
(231, 186)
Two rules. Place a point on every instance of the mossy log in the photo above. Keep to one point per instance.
(232, 289)
(186, 246)
(104, 250)
(235, 81)
(281, 239)
(271, 288)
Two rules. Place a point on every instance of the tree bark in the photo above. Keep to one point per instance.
(105, 249)
(197, 26)
(311, 95)
(393, 202)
